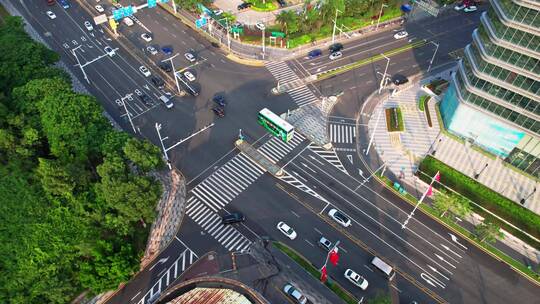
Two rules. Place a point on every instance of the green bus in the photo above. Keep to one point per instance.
(275, 125)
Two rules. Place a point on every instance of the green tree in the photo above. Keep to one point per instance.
(488, 232)
(445, 202)
(288, 21)
(191, 5)
(55, 178)
(143, 154)
(380, 298)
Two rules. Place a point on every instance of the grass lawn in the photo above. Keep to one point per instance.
(259, 6)
(422, 102)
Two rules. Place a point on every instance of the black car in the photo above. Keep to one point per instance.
(219, 111)
(165, 66)
(215, 44)
(219, 99)
(158, 82)
(145, 99)
(336, 47)
(282, 3)
(233, 218)
(399, 79)
(244, 6)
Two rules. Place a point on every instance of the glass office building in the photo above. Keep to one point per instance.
(494, 98)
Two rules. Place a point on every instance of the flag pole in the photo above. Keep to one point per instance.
(428, 191)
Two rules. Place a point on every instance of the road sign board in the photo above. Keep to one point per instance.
(200, 22)
(151, 3)
(278, 34)
(118, 14)
(100, 19)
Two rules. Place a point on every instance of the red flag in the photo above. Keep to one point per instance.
(438, 176)
(429, 191)
(334, 257)
(324, 276)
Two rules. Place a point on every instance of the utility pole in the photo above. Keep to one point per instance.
(228, 34)
(383, 80)
(122, 99)
(434, 53)
(380, 14)
(174, 71)
(334, 30)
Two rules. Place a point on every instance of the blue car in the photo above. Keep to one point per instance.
(167, 50)
(314, 53)
(220, 100)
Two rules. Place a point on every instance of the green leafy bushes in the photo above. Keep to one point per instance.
(394, 119)
(503, 207)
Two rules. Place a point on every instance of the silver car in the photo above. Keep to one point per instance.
(295, 294)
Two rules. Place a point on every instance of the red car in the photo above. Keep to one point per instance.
(219, 111)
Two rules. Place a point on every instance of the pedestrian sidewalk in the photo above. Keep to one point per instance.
(402, 152)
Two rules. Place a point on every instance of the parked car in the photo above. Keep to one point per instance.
(336, 47)
(166, 101)
(51, 15)
(399, 79)
(282, 3)
(219, 99)
(146, 37)
(152, 50)
(401, 34)
(335, 55)
(260, 26)
(127, 21)
(459, 7)
(287, 230)
(190, 57)
(243, 6)
(314, 53)
(325, 244)
(167, 50)
(232, 218)
(88, 25)
(109, 50)
(470, 9)
(294, 293)
(146, 99)
(356, 279)
(158, 82)
(189, 76)
(165, 66)
(99, 8)
(144, 70)
(219, 111)
(339, 217)
(218, 12)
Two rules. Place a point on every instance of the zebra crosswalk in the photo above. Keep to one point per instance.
(186, 258)
(291, 180)
(225, 184)
(328, 155)
(301, 95)
(210, 221)
(275, 149)
(340, 133)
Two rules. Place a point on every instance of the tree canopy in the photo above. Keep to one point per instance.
(74, 194)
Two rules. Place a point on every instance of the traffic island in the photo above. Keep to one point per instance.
(262, 161)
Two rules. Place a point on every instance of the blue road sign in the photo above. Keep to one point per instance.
(163, 1)
(118, 14)
(128, 11)
(200, 22)
(151, 3)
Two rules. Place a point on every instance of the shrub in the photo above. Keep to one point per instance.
(422, 102)
(394, 119)
(503, 207)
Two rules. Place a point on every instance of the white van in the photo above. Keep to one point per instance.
(168, 103)
(127, 21)
(384, 268)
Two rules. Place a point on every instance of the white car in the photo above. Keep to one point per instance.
(189, 76)
(218, 12)
(356, 279)
(335, 55)
(152, 50)
(88, 25)
(294, 293)
(260, 26)
(109, 50)
(339, 217)
(144, 70)
(146, 37)
(470, 9)
(400, 35)
(459, 7)
(287, 230)
(99, 8)
(51, 15)
(190, 57)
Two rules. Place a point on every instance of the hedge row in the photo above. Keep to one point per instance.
(503, 207)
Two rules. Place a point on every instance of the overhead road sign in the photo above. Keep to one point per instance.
(100, 19)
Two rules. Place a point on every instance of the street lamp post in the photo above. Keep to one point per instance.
(434, 53)
(334, 29)
(122, 99)
(174, 71)
(384, 75)
(228, 34)
(79, 63)
(380, 13)
(158, 128)
(263, 42)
